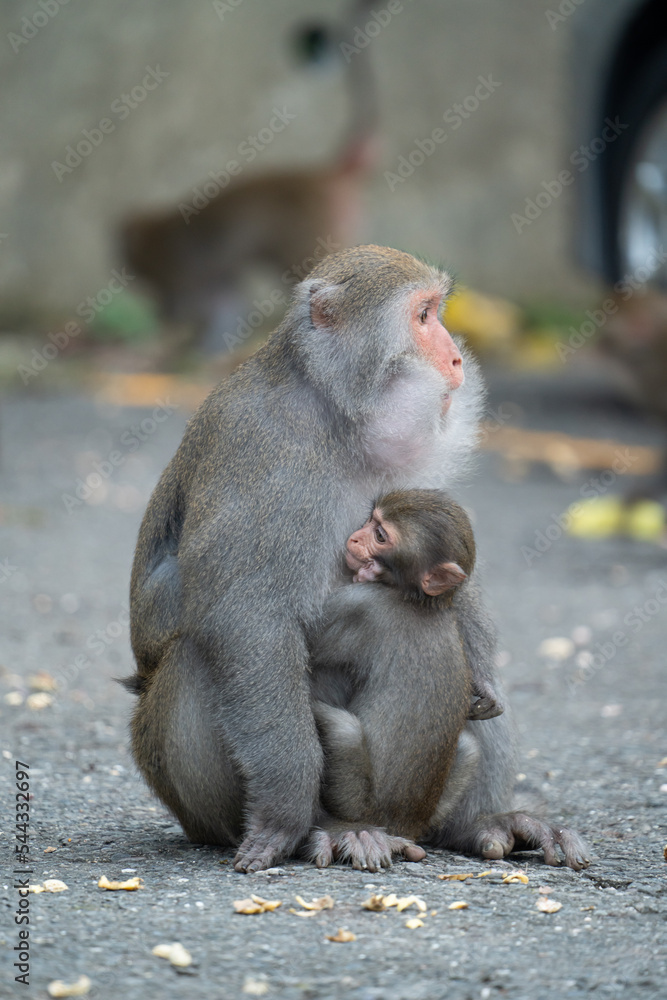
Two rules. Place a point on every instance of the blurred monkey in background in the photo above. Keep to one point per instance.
(196, 261)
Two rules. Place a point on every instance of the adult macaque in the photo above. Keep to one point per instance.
(196, 260)
(359, 390)
(391, 686)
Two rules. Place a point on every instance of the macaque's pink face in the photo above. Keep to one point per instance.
(376, 538)
(434, 340)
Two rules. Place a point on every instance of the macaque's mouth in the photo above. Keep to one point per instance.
(352, 562)
(446, 402)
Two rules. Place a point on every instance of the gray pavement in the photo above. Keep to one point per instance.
(591, 745)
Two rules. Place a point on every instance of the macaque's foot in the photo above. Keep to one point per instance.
(366, 848)
(262, 847)
(500, 835)
(485, 707)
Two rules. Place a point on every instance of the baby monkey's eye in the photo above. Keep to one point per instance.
(423, 316)
(380, 535)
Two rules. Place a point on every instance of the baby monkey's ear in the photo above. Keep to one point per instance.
(443, 577)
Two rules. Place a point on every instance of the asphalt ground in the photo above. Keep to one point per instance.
(593, 733)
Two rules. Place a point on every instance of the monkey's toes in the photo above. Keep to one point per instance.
(261, 849)
(412, 852)
(365, 848)
(517, 831)
(494, 850)
(574, 848)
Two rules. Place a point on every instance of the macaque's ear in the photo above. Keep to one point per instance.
(323, 301)
(444, 577)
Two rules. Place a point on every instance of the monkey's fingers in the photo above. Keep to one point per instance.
(261, 849)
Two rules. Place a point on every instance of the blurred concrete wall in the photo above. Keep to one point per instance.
(167, 91)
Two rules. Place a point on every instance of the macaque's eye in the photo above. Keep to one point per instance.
(423, 316)
(380, 535)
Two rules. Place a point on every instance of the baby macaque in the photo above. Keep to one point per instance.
(392, 684)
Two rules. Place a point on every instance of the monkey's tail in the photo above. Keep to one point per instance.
(135, 683)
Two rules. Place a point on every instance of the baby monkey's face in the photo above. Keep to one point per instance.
(379, 551)
(368, 546)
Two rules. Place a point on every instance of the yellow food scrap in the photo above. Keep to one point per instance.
(600, 517)
(407, 901)
(322, 903)
(557, 647)
(255, 987)
(414, 922)
(78, 989)
(460, 876)
(256, 905)
(460, 904)
(375, 903)
(516, 877)
(342, 937)
(175, 953)
(50, 885)
(645, 520)
(39, 700)
(546, 905)
(129, 884)
(41, 681)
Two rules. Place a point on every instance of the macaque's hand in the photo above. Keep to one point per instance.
(500, 835)
(365, 847)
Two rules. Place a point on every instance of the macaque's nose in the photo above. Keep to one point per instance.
(452, 367)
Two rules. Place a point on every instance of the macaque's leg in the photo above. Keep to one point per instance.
(182, 755)
(347, 791)
(347, 785)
